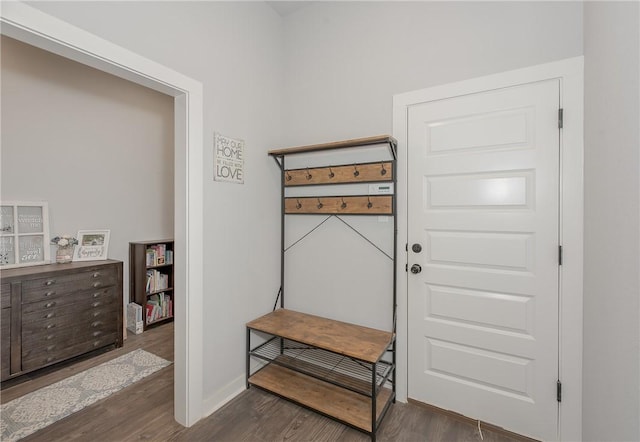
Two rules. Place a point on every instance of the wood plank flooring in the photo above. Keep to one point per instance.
(144, 411)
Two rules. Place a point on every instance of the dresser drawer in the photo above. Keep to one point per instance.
(65, 284)
(5, 295)
(44, 356)
(71, 313)
(79, 319)
(59, 338)
(67, 305)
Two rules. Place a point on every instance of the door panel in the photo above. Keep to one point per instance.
(483, 186)
(480, 191)
(480, 368)
(510, 251)
(490, 130)
(475, 308)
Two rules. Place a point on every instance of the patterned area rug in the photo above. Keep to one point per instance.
(28, 414)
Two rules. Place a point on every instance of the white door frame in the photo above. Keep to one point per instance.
(570, 74)
(41, 30)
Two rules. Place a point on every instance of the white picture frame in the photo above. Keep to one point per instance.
(24, 234)
(93, 245)
(228, 154)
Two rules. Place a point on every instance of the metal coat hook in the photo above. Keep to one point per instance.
(288, 176)
(331, 174)
(298, 205)
(320, 205)
(369, 203)
(343, 205)
(308, 174)
(383, 171)
(356, 172)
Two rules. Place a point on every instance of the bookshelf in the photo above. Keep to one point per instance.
(151, 279)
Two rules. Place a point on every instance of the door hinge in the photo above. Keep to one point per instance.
(406, 267)
(406, 247)
(559, 391)
(559, 255)
(560, 118)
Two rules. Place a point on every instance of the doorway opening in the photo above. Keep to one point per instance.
(31, 26)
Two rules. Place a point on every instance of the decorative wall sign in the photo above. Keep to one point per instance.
(92, 245)
(24, 234)
(228, 159)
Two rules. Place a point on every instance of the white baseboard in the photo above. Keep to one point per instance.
(213, 403)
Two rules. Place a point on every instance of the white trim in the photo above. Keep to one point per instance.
(570, 73)
(224, 395)
(36, 28)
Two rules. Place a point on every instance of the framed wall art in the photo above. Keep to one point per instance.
(228, 159)
(93, 245)
(24, 234)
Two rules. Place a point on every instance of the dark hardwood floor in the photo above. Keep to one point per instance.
(144, 411)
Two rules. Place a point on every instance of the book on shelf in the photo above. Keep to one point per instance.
(159, 306)
(158, 255)
(156, 281)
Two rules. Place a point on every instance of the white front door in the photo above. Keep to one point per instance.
(483, 204)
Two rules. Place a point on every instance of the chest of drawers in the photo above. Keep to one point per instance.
(54, 312)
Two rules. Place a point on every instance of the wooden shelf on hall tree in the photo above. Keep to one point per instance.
(325, 365)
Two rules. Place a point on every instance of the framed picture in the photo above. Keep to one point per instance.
(92, 245)
(24, 234)
(228, 159)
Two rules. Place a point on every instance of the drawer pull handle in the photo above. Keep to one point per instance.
(95, 324)
(50, 282)
(51, 347)
(96, 314)
(95, 295)
(49, 337)
(97, 284)
(95, 304)
(96, 274)
(97, 343)
(49, 294)
(97, 333)
(49, 326)
(49, 304)
(49, 359)
(48, 315)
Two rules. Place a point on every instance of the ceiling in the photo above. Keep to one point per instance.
(285, 8)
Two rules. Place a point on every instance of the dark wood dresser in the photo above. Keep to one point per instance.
(54, 312)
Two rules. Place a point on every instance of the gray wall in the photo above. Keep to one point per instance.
(97, 148)
(345, 60)
(235, 49)
(611, 398)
